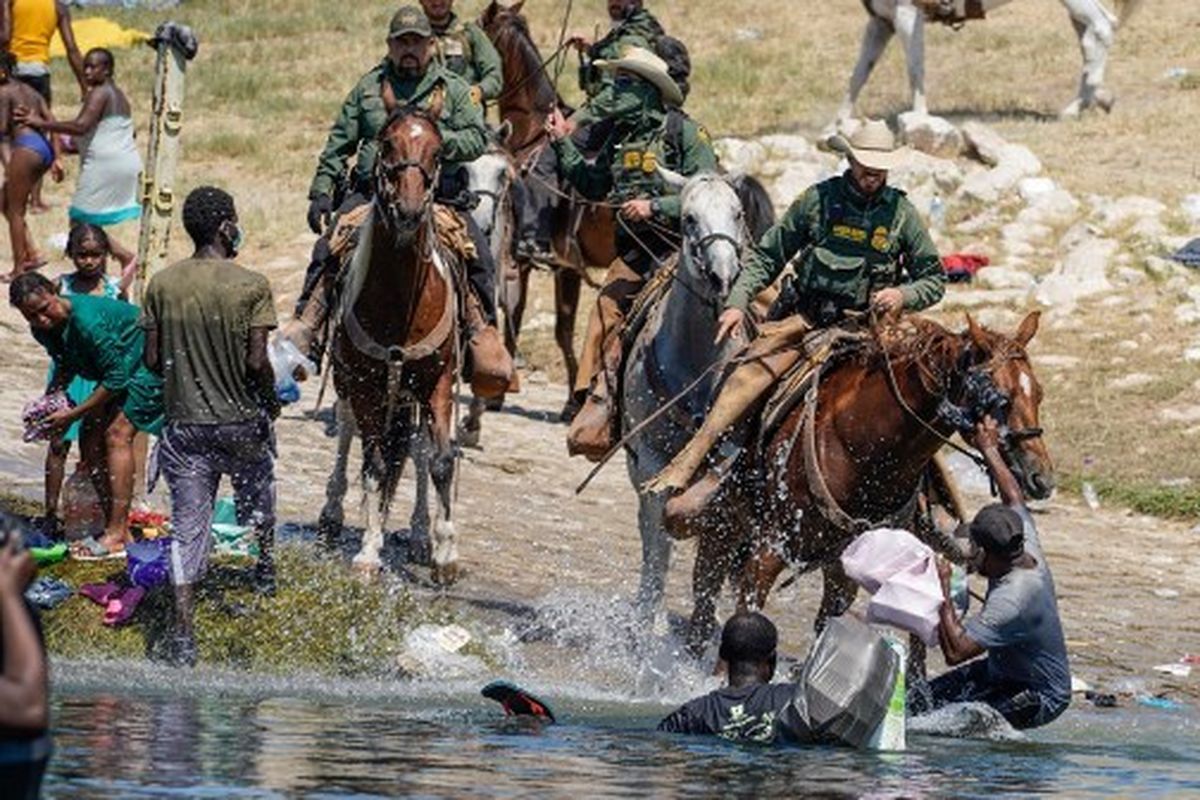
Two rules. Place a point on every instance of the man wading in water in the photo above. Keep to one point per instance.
(1025, 675)
(206, 321)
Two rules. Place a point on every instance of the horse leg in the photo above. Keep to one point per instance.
(837, 594)
(469, 429)
(910, 27)
(656, 556)
(1095, 33)
(760, 575)
(567, 284)
(367, 561)
(875, 39)
(329, 524)
(444, 544)
(518, 295)
(419, 520)
(713, 553)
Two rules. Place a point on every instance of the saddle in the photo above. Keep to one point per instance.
(952, 12)
(821, 347)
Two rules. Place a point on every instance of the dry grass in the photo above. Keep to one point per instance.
(271, 75)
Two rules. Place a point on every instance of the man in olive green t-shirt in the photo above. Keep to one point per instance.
(206, 322)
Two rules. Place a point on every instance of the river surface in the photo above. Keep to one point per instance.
(163, 733)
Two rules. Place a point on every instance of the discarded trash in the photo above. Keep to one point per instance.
(1101, 700)
(1160, 703)
(1090, 496)
(45, 556)
(1189, 254)
(1176, 73)
(1166, 594)
(937, 211)
(1175, 670)
(434, 650)
(1190, 658)
(961, 267)
(82, 514)
(1078, 685)
(47, 593)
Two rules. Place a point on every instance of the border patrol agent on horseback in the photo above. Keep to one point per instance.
(647, 129)
(858, 245)
(405, 77)
(465, 50)
(633, 26)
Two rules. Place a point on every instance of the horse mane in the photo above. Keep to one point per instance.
(756, 203)
(512, 31)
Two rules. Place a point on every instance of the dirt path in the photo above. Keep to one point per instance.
(1127, 583)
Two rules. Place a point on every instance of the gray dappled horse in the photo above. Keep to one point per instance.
(675, 346)
(1095, 27)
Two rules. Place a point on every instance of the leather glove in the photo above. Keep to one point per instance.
(319, 212)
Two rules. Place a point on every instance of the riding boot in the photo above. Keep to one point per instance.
(537, 210)
(739, 394)
(593, 431)
(490, 365)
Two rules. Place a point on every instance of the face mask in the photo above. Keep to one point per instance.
(632, 96)
(235, 239)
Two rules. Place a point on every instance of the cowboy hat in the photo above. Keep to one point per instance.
(873, 145)
(649, 67)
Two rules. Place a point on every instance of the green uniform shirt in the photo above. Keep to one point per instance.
(363, 117)
(639, 29)
(852, 246)
(101, 341)
(627, 166)
(203, 310)
(465, 50)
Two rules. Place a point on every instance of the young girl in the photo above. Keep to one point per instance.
(27, 154)
(88, 248)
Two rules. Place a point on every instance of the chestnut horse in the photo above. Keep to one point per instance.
(394, 347)
(584, 233)
(853, 456)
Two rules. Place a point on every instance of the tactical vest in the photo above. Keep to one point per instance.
(636, 160)
(454, 51)
(853, 253)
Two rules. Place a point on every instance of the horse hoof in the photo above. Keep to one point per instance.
(366, 571)
(329, 535)
(469, 437)
(494, 403)
(444, 574)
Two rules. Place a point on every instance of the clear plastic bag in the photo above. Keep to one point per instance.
(286, 359)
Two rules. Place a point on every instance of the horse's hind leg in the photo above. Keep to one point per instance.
(713, 554)
(329, 524)
(384, 453)
(419, 520)
(567, 284)
(444, 555)
(761, 573)
(1095, 33)
(910, 27)
(837, 594)
(471, 428)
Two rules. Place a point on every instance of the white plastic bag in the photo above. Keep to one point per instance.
(900, 572)
(286, 358)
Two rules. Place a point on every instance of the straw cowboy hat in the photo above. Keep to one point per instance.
(646, 65)
(873, 145)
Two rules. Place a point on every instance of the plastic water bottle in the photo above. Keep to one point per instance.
(1090, 496)
(937, 211)
(960, 596)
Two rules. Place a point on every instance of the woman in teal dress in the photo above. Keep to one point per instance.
(99, 339)
(88, 248)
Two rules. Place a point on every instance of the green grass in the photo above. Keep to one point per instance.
(1170, 502)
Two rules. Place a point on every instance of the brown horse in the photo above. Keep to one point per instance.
(854, 456)
(584, 233)
(394, 353)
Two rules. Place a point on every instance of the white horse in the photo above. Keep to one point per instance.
(1094, 24)
(675, 347)
(490, 179)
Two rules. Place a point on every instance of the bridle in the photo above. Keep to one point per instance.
(697, 252)
(388, 173)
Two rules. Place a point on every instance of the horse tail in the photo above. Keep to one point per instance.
(756, 204)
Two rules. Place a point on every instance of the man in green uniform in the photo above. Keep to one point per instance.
(632, 26)
(406, 77)
(646, 131)
(465, 50)
(858, 244)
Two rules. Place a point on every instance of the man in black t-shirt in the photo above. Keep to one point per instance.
(749, 708)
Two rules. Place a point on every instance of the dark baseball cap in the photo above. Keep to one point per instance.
(999, 530)
(409, 19)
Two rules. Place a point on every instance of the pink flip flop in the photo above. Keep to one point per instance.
(121, 607)
(99, 593)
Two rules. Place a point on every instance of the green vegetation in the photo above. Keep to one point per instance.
(1172, 502)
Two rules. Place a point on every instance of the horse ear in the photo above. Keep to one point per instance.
(515, 8)
(504, 132)
(675, 182)
(977, 333)
(1028, 327)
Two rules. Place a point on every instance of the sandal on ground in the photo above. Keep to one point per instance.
(92, 549)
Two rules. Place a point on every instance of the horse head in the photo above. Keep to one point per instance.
(489, 177)
(497, 14)
(1000, 382)
(407, 168)
(714, 232)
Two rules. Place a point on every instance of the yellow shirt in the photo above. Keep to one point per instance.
(33, 24)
